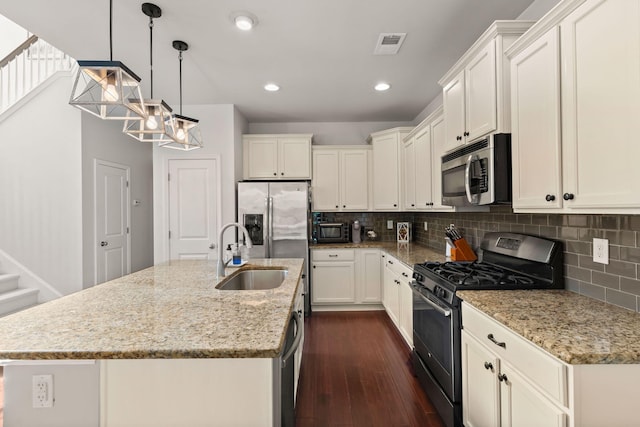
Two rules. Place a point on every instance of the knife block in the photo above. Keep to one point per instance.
(462, 251)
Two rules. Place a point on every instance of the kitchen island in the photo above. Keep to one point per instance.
(157, 347)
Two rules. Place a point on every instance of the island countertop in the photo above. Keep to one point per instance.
(170, 310)
(576, 329)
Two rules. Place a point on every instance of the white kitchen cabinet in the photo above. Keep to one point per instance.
(507, 381)
(535, 138)
(398, 297)
(341, 179)
(387, 167)
(576, 99)
(346, 278)
(476, 89)
(277, 156)
(421, 151)
(368, 282)
(600, 41)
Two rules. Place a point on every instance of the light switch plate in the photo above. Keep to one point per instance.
(389, 224)
(601, 251)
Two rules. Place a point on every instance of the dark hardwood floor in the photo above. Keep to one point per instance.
(356, 371)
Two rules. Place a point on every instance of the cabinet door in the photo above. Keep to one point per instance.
(294, 158)
(535, 121)
(405, 308)
(390, 298)
(423, 169)
(437, 149)
(522, 405)
(480, 93)
(368, 278)
(325, 183)
(453, 103)
(262, 158)
(409, 167)
(354, 180)
(333, 282)
(385, 176)
(600, 45)
(480, 387)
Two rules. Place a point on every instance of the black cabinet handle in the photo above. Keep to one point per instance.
(395, 205)
(281, 173)
(404, 274)
(568, 196)
(458, 138)
(344, 206)
(488, 366)
(550, 198)
(337, 206)
(390, 262)
(466, 134)
(498, 343)
(503, 377)
(412, 205)
(314, 266)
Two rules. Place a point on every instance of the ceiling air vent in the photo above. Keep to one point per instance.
(389, 43)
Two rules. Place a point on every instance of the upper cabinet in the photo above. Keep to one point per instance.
(476, 89)
(421, 154)
(341, 178)
(277, 156)
(576, 103)
(387, 168)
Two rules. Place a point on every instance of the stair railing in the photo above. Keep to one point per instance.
(27, 66)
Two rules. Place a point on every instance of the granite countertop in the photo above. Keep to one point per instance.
(408, 253)
(171, 310)
(576, 329)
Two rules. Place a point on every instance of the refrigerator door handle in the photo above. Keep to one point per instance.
(267, 211)
(270, 232)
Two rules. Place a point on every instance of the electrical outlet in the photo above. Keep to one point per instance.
(389, 224)
(426, 226)
(42, 391)
(601, 251)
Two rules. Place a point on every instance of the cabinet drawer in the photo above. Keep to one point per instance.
(333, 255)
(538, 366)
(398, 267)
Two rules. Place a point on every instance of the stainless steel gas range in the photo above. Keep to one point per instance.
(508, 261)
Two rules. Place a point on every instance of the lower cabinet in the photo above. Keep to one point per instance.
(341, 277)
(397, 297)
(507, 381)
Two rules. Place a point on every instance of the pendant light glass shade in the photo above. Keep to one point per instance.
(107, 89)
(154, 126)
(184, 134)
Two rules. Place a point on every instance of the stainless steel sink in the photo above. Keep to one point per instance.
(253, 280)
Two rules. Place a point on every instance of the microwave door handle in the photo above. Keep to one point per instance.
(472, 198)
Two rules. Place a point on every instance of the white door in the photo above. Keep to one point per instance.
(193, 208)
(111, 189)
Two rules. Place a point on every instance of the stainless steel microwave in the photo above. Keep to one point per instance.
(331, 232)
(478, 173)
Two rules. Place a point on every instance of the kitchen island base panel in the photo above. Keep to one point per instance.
(170, 392)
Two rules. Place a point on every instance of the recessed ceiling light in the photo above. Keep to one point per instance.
(382, 86)
(271, 87)
(244, 20)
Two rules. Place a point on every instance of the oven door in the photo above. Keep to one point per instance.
(435, 326)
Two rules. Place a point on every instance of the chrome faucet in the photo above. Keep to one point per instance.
(222, 264)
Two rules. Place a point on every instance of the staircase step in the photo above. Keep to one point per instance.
(17, 300)
(8, 282)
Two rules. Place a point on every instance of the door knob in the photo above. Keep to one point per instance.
(104, 243)
(550, 198)
(567, 196)
(212, 246)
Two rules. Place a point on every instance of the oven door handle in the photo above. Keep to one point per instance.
(436, 307)
(472, 198)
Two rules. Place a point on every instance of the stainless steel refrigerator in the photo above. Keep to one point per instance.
(277, 216)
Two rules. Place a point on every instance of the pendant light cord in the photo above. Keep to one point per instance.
(180, 60)
(111, 30)
(151, 52)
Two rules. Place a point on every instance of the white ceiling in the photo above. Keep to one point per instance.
(319, 51)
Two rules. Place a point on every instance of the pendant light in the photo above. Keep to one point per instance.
(157, 117)
(107, 89)
(184, 134)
